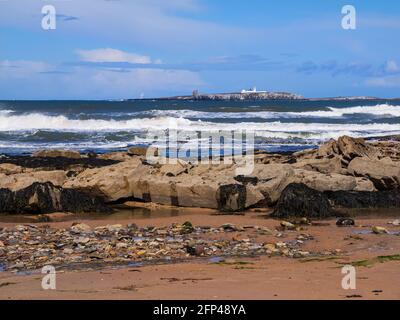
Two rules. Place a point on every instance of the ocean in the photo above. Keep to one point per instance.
(102, 126)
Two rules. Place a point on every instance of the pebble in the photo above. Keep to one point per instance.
(287, 225)
(345, 222)
(379, 230)
(29, 247)
(80, 227)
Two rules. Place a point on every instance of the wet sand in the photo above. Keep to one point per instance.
(236, 278)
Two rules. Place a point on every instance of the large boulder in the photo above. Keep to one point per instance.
(47, 198)
(110, 182)
(301, 201)
(324, 182)
(385, 174)
(269, 180)
(57, 153)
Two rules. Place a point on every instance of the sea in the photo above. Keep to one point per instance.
(104, 126)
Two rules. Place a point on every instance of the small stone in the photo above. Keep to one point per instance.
(301, 254)
(341, 222)
(287, 225)
(187, 228)
(82, 240)
(270, 247)
(395, 222)
(114, 227)
(80, 227)
(141, 253)
(231, 227)
(162, 232)
(121, 245)
(68, 251)
(379, 230)
(281, 244)
(197, 250)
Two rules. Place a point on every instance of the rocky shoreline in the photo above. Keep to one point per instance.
(343, 173)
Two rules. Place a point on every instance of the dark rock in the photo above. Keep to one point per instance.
(299, 200)
(345, 222)
(40, 198)
(187, 227)
(232, 198)
(57, 163)
(197, 250)
(92, 155)
(365, 199)
(247, 180)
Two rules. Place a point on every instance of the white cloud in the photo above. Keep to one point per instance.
(39, 80)
(391, 66)
(384, 82)
(112, 55)
(157, 23)
(22, 68)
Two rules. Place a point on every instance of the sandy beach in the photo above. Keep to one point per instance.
(263, 277)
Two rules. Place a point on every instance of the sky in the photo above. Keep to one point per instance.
(119, 49)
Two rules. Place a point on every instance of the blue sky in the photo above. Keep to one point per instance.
(110, 49)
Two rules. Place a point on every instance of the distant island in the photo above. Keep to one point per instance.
(253, 94)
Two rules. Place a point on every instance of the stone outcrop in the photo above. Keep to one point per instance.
(358, 172)
(335, 155)
(347, 149)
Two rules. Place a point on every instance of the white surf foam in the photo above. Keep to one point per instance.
(36, 121)
(381, 110)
